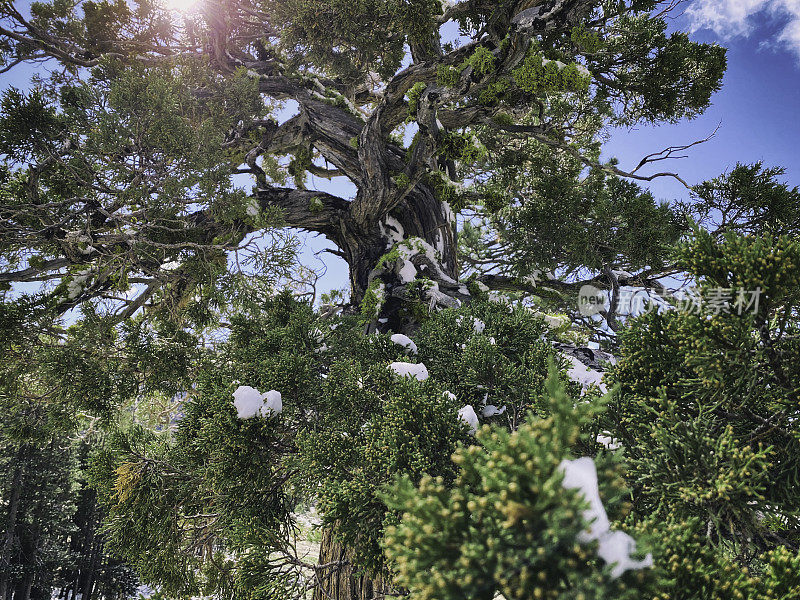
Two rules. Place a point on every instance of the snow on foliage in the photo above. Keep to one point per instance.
(404, 369)
(584, 375)
(477, 324)
(253, 208)
(490, 410)
(249, 402)
(607, 441)
(77, 283)
(273, 404)
(554, 322)
(404, 341)
(467, 414)
(615, 547)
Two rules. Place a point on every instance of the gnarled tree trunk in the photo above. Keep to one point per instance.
(340, 579)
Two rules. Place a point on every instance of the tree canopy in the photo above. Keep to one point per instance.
(462, 429)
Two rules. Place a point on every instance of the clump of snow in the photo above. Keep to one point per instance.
(404, 369)
(478, 325)
(615, 547)
(253, 208)
(607, 441)
(249, 402)
(76, 284)
(170, 266)
(581, 474)
(393, 231)
(407, 272)
(449, 394)
(584, 375)
(490, 410)
(467, 414)
(404, 341)
(273, 404)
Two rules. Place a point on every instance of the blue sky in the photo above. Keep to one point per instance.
(758, 108)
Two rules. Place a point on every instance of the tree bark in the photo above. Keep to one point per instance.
(338, 577)
(11, 522)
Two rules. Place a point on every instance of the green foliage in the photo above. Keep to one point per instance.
(373, 32)
(493, 91)
(444, 189)
(402, 181)
(315, 204)
(414, 94)
(749, 200)
(557, 217)
(27, 122)
(537, 75)
(709, 396)
(482, 61)
(447, 75)
(505, 525)
(120, 173)
(460, 146)
(667, 77)
(373, 300)
(348, 426)
(587, 41)
(299, 164)
(691, 568)
(410, 428)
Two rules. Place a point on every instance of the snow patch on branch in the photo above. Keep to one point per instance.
(467, 414)
(615, 547)
(404, 341)
(249, 402)
(392, 230)
(77, 284)
(490, 410)
(414, 246)
(607, 441)
(404, 369)
(584, 375)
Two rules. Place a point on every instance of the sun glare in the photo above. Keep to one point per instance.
(180, 5)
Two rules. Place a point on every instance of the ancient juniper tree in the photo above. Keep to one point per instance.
(155, 147)
(119, 163)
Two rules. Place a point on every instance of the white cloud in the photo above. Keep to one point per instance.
(730, 18)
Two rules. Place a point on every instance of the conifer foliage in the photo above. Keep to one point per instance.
(178, 408)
